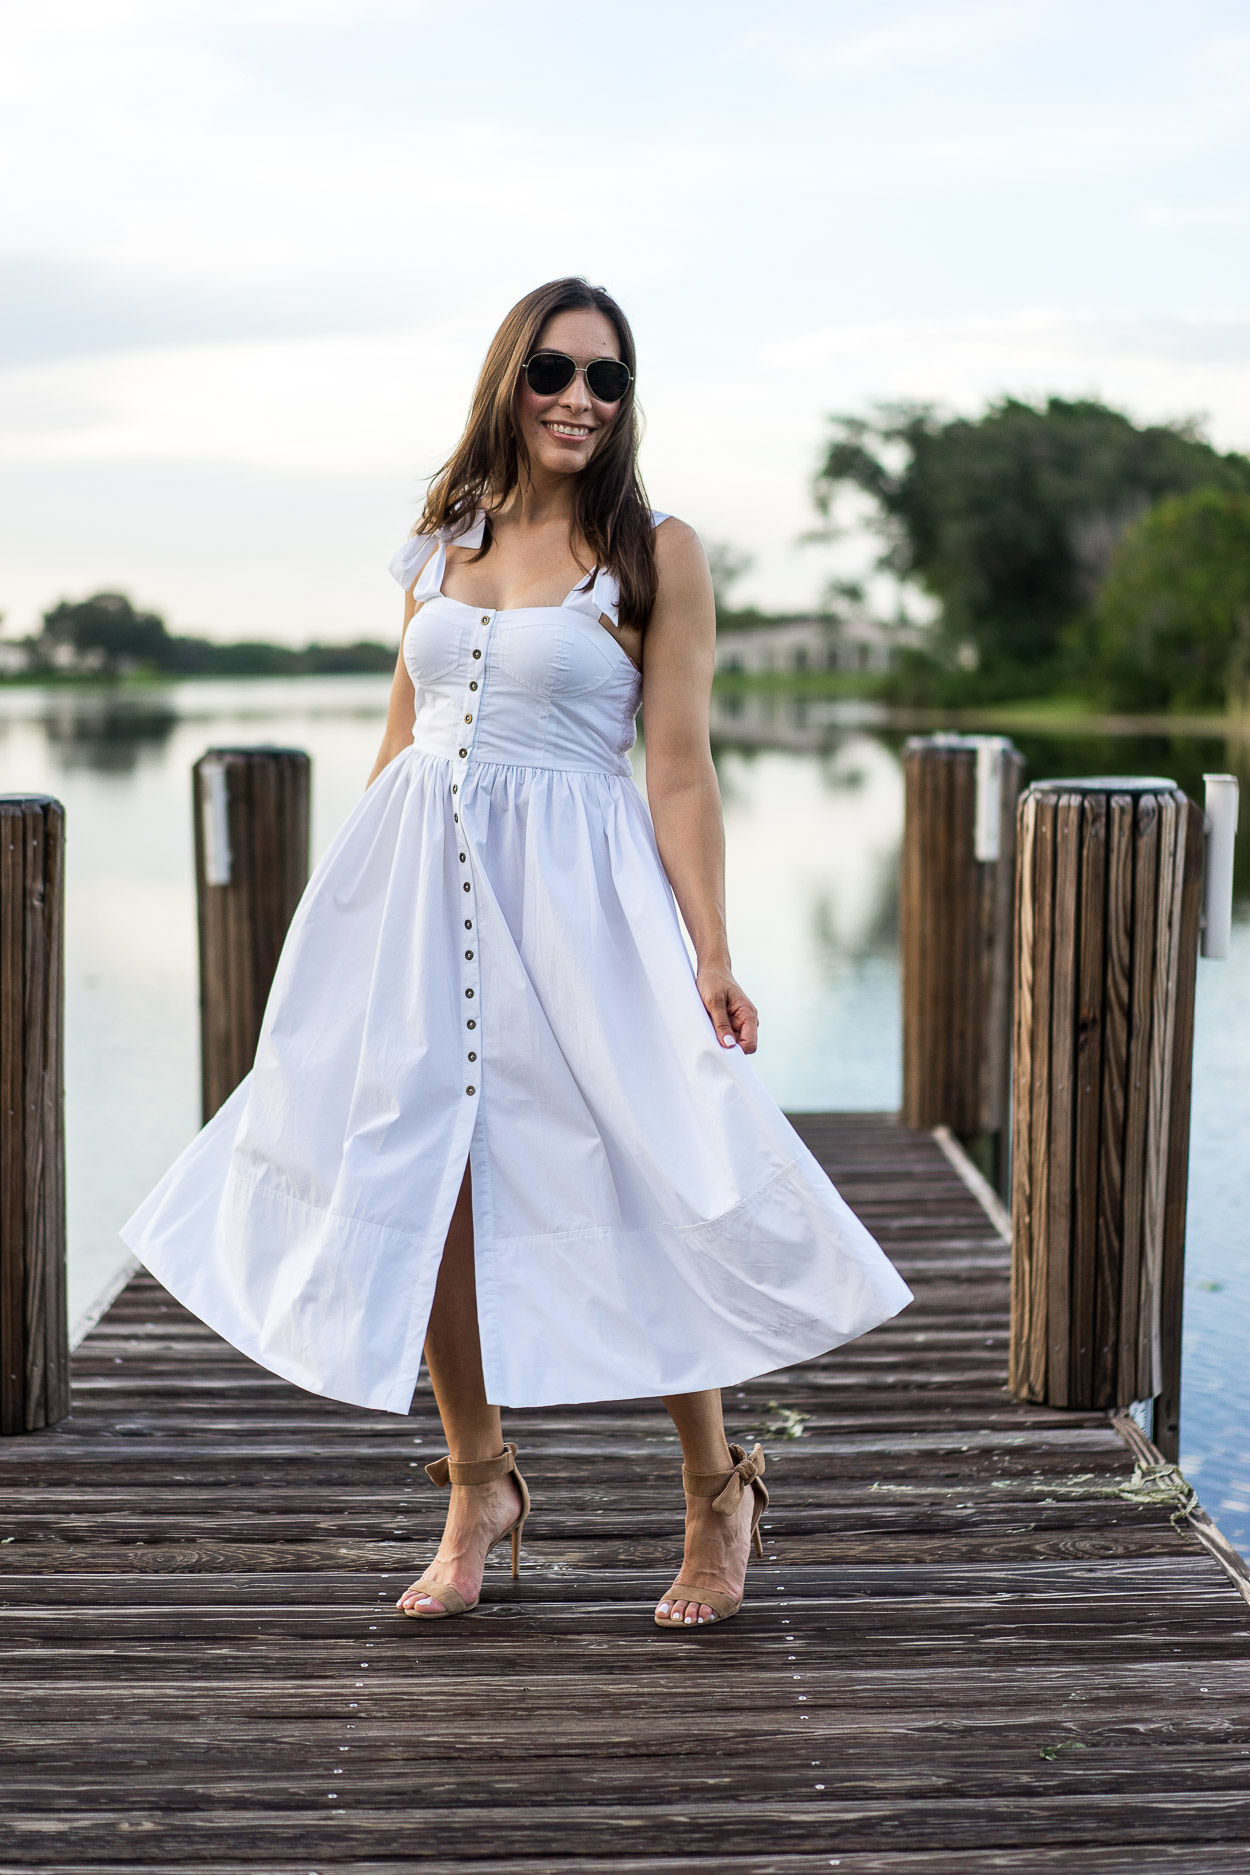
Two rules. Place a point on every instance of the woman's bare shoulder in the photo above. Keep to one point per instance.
(672, 533)
(679, 554)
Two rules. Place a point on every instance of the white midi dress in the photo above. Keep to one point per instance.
(487, 965)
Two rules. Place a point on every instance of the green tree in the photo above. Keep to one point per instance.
(1173, 615)
(107, 629)
(1009, 519)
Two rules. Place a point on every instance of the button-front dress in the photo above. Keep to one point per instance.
(487, 965)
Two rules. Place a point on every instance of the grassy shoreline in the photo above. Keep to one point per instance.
(1056, 715)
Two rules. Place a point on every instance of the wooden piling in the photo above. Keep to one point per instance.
(34, 1335)
(1106, 949)
(251, 810)
(956, 920)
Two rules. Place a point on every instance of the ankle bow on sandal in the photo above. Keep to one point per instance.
(726, 1490)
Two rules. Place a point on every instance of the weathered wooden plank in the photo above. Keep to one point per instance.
(1071, 1859)
(33, 1332)
(1167, 1417)
(243, 920)
(12, 1131)
(1115, 1039)
(490, 1832)
(1021, 1375)
(1062, 1097)
(1087, 1091)
(1172, 823)
(1042, 948)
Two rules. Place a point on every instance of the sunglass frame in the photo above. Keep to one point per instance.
(574, 369)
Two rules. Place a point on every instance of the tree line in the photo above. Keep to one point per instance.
(107, 636)
(1068, 550)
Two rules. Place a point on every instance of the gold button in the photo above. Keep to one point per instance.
(470, 1025)
(468, 719)
(477, 654)
(462, 856)
(466, 885)
(486, 618)
(468, 957)
(470, 1090)
(468, 992)
(464, 751)
(472, 1055)
(455, 787)
(473, 685)
(468, 924)
(456, 818)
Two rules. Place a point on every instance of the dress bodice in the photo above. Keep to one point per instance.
(532, 686)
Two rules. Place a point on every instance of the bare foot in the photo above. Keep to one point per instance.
(715, 1557)
(477, 1516)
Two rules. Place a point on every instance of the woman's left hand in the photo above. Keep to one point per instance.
(734, 1016)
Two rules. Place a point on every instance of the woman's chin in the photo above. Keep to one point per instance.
(559, 461)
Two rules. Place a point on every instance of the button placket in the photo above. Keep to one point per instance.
(470, 983)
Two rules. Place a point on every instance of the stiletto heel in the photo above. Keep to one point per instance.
(726, 1489)
(448, 1471)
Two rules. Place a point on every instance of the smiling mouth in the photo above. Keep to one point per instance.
(574, 431)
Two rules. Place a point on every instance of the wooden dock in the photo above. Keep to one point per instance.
(977, 1643)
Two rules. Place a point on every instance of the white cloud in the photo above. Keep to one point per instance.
(363, 403)
(921, 37)
(1192, 215)
(1159, 367)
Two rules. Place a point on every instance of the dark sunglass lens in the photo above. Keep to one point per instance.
(607, 379)
(549, 372)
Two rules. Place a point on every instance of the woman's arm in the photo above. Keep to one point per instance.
(682, 790)
(402, 709)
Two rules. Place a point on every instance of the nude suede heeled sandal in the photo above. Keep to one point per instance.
(726, 1489)
(447, 1471)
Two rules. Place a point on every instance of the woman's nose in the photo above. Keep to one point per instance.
(576, 396)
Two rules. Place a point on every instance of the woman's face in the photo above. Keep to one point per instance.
(562, 432)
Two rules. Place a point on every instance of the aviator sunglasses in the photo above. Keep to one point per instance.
(549, 373)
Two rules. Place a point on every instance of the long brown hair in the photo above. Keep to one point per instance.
(611, 511)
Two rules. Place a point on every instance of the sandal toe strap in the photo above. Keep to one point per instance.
(443, 1592)
(715, 1599)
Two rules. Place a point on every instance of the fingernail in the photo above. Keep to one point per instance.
(727, 1041)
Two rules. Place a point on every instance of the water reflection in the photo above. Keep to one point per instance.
(108, 734)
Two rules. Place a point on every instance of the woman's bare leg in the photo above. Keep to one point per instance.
(716, 1547)
(479, 1513)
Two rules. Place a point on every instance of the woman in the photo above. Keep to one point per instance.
(494, 1113)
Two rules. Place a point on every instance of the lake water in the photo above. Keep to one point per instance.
(813, 817)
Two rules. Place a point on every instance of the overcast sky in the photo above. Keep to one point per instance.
(251, 254)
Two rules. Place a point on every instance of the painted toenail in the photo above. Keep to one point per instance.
(662, 1609)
